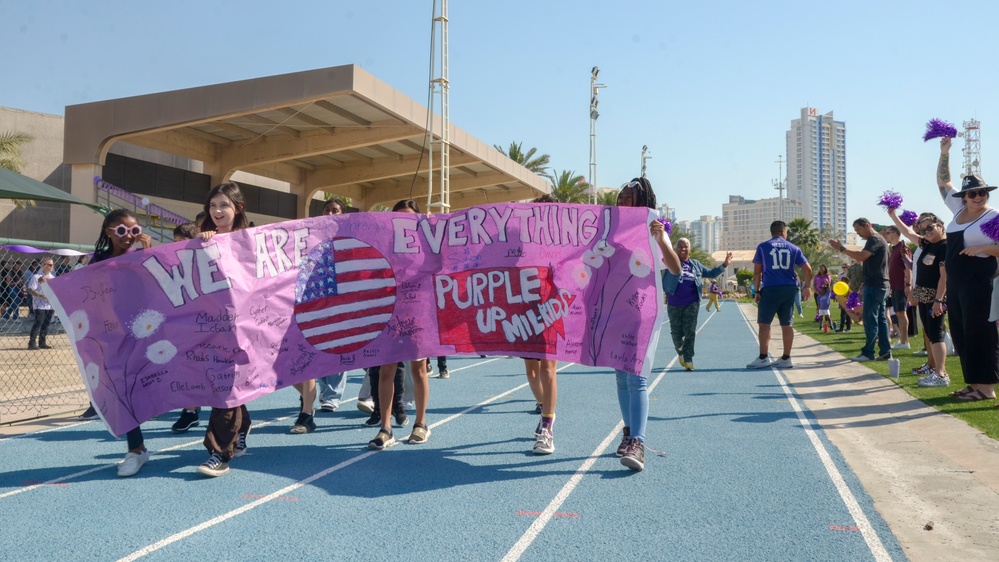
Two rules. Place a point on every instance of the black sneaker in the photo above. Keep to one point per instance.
(375, 420)
(90, 414)
(401, 419)
(304, 424)
(214, 466)
(634, 456)
(625, 439)
(883, 357)
(241, 444)
(187, 420)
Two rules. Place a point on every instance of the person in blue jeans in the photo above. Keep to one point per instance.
(874, 260)
(633, 389)
(331, 388)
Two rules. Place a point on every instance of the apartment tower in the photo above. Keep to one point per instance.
(816, 169)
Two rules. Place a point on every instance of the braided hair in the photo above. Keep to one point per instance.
(642, 193)
(103, 247)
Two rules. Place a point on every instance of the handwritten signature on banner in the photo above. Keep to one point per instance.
(229, 320)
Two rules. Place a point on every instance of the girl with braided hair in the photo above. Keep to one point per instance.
(632, 389)
(119, 234)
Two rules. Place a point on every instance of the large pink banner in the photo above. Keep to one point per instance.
(222, 322)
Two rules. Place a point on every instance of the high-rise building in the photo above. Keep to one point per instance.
(746, 223)
(707, 232)
(816, 169)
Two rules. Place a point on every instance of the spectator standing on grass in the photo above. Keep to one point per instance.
(898, 282)
(776, 283)
(971, 265)
(874, 260)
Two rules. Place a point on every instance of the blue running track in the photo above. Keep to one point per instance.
(746, 475)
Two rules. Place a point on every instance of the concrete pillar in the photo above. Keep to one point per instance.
(84, 222)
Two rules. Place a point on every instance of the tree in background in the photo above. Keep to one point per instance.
(607, 197)
(12, 159)
(696, 251)
(743, 278)
(537, 164)
(813, 244)
(569, 187)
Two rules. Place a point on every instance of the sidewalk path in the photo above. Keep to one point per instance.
(919, 465)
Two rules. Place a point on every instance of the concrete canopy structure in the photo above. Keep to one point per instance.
(336, 129)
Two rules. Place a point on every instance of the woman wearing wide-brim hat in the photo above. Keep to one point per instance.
(971, 265)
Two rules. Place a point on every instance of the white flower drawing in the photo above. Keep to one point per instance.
(161, 352)
(80, 323)
(93, 376)
(603, 249)
(592, 259)
(581, 273)
(146, 323)
(639, 264)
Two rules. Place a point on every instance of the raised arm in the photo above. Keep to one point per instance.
(670, 258)
(903, 228)
(943, 169)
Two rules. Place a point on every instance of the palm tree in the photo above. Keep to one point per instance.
(10, 150)
(538, 164)
(607, 197)
(802, 234)
(569, 187)
(11, 158)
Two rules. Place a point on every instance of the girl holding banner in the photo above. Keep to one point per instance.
(387, 387)
(119, 233)
(632, 389)
(225, 436)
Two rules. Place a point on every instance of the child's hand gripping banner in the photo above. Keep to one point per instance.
(222, 322)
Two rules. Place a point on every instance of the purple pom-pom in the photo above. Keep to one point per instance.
(890, 200)
(937, 128)
(852, 301)
(667, 225)
(908, 218)
(991, 228)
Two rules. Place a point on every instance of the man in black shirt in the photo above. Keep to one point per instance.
(874, 257)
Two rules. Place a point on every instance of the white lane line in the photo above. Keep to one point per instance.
(292, 487)
(41, 431)
(532, 532)
(192, 443)
(871, 537)
(109, 465)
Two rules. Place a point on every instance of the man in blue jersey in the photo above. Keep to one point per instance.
(776, 287)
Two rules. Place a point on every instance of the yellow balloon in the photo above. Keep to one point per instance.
(841, 288)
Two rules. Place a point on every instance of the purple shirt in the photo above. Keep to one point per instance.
(778, 258)
(686, 292)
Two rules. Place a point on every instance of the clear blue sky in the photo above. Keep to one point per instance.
(710, 87)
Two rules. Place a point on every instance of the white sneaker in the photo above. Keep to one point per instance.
(132, 463)
(934, 380)
(861, 358)
(409, 405)
(367, 406)
(759, 363)
(901, 345)
(920, 353)
(782, 363)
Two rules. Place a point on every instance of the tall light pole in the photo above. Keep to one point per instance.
(645, 156)
(594, 90)
(779, 186)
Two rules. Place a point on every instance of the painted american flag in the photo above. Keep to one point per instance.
(344, 295)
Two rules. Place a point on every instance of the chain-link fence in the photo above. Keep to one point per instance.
(33, 382)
